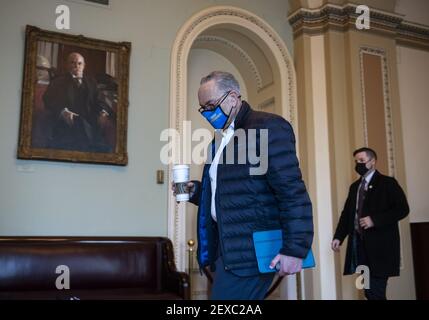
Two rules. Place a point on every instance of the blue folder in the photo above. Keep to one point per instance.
(267, 246)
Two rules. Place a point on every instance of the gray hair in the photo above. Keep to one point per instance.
(225, 81)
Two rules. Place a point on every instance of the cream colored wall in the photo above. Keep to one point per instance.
(324, 229)
(52, 198)
(341, 146)
(316, 159)
(413, 71)
(306, 133)
(414, 10)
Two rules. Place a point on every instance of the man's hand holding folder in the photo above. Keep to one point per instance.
(286, 265)
(268, 243)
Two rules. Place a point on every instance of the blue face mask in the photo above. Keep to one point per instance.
(216, 116)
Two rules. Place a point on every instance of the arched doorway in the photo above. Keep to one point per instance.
(264, 64)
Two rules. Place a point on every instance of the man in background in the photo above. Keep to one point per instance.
(374, 206)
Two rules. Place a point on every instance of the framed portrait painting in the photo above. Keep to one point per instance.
(74, 98)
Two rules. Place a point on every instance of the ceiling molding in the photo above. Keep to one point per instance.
(342, 18)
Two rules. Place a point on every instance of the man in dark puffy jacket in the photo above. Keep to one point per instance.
(235, 201)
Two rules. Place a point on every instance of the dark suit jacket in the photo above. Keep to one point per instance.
(85, 132)
(59, 95)
(386, 204)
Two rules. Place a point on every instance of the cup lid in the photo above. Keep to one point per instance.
(181, 166)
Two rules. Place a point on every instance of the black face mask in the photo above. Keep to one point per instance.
(361, 168)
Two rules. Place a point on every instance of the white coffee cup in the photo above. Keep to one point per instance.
(181, 179)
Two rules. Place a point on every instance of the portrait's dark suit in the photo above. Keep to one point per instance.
(386, 204)
(82, 99)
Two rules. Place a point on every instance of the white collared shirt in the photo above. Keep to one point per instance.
(227, 135)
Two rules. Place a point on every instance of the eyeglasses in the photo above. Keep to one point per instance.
(211, 106)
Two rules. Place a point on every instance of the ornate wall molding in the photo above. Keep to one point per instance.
(243, 54)
(414, 35)
(234, 18)
(342, 18)
(267, 103)
(387, 106)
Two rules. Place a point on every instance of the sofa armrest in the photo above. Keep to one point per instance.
(171, 279)
(178, 282)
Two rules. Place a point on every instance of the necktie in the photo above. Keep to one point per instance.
(78, 81)
(361, 199)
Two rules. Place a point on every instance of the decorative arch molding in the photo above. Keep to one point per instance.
(243, 54)
(240, 19)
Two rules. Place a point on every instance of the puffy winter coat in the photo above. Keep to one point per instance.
(245, 202)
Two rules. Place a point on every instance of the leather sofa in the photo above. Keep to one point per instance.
(79, 268)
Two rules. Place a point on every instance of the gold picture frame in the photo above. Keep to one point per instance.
(72, 114)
